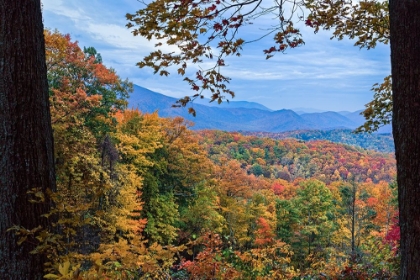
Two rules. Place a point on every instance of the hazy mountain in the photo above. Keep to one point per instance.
(354, 116)
(345, 113)
(327, 120)
(240, 115)
(232, 104)
(149, 101)
(302, 110)
(154, 99)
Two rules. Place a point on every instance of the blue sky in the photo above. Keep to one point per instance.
(324, 74)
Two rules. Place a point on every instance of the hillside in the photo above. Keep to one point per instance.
(243, 116)
(375, 141)
(232, 104)
(291, 159)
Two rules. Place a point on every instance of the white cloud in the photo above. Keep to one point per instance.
(321, 73)
(110, 30)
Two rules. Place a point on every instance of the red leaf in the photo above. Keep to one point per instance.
(217, 26)
(212, 7)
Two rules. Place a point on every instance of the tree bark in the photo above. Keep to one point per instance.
(405, 61)
(26, 145)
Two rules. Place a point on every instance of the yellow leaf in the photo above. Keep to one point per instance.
(64, 269)
(181, 71)
(51, 276)
(21, 240)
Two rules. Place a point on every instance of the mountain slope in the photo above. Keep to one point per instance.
(370, 141)
(328, 120)
(240, 115)
(230, 119)
(232, 104)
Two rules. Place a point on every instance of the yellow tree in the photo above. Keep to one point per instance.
(83, 94)
(97, 199)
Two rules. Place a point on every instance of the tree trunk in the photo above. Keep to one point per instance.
(26, 146)
(405, 61)
(353, 220)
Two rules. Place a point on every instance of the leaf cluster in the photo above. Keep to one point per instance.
(190, 32)
(365, 21)
(378, 112)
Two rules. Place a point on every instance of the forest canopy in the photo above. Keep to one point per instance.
(140, 197)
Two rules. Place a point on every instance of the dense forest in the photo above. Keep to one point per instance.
(381, 142)
(144, 197)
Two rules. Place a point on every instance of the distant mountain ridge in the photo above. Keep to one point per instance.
(232, 104)
(242, 115)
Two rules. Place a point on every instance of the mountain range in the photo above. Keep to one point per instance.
(243, 115)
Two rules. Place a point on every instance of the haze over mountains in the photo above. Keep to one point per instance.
(243, 115)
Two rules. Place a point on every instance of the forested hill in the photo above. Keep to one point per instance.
(291, 159)
(378, 142)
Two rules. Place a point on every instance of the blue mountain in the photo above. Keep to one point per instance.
(239, 115)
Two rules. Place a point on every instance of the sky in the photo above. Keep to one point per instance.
(324, 74)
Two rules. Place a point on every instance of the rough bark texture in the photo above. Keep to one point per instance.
(26, 146)
(405, 61)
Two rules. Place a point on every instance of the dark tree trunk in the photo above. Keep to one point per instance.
(353, 220)
(26, 146)
(405, 61)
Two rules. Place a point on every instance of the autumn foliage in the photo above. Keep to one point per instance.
(143, 197)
